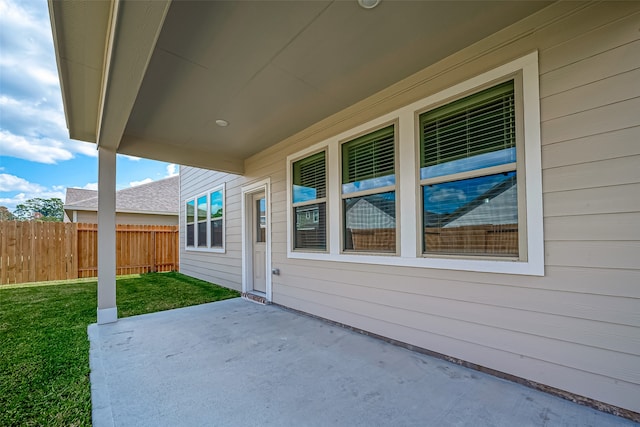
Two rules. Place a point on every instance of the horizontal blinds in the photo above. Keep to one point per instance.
(370, 156)
(310, 172)
(311, 228)
(478, 124)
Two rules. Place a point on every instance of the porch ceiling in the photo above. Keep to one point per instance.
(269, 68)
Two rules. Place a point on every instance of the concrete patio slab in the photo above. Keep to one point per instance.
(237, 363)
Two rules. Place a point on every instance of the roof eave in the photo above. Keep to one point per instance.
(102, 53)
(79, 38)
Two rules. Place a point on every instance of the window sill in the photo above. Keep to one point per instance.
(528, 268)
(209, 250)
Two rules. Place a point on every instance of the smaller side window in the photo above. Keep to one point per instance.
(310, 203)
(216, 218)
(190, 223)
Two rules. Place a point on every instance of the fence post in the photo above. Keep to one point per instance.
(74, 251)
(154, 261)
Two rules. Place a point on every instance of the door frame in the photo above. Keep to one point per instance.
(247, 234)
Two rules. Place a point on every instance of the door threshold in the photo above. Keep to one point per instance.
(257, 297)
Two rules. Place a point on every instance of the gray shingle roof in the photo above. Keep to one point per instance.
(160, 196)
(75, 195)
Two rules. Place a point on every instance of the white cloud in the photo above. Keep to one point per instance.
(44, 76)
(43, 151)
(91, 186)
(144, 181)
(33, 125)
(15, 183)
(27, 190)
(172, 170)
(12, 202)
(132, 158)
(447, 195)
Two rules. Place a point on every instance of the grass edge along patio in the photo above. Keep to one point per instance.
(44, 359)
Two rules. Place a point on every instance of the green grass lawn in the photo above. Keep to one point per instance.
(44, 350)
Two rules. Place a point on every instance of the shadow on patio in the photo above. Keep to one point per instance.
(236, 363)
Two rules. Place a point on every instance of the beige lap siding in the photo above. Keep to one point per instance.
(578, 327)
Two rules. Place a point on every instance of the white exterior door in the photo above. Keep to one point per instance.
(259, 241)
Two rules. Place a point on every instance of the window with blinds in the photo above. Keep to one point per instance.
(468, 175)
(309, 195)
(368, 192)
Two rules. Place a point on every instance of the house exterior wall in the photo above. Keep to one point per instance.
(577, 328)
(91, 217)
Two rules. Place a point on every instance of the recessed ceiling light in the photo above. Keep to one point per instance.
(222, 123)
(368, 4)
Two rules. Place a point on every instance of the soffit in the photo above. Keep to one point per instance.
(79, 34)
(271, 69)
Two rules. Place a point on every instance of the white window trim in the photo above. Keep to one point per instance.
(407, 184)
(195, 198)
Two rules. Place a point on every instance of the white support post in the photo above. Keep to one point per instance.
(107, 310)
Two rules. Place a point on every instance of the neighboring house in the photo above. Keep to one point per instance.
(435, 107)
(155, 203)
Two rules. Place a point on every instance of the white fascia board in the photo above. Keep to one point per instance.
(134, 30)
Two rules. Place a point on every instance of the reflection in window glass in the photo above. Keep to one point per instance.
(310, 185)
(261, 225)
(202, 222)
(368, 192)
(472, 216)
(370, 223)
(477, 215)
(216, 233)
(205, 220)
(474, 132)
(310, 232)
(216, 205)
(368, 162)
(486, 160)
(309, 181)
(216, 212)
(190, 222)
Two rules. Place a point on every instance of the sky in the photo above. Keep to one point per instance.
(37, 158)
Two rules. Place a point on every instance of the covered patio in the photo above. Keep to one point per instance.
(237, 363)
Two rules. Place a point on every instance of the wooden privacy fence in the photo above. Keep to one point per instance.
(43, 251)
